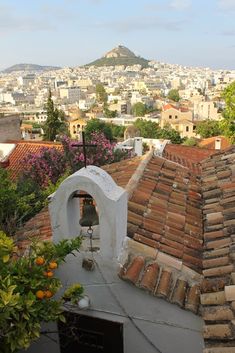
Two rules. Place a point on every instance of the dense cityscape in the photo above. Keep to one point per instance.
(197, 94)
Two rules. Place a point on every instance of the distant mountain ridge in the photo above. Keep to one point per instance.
(29, 67)
(120, 56)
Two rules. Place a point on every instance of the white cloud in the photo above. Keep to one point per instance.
(226, 5)
(180, 5)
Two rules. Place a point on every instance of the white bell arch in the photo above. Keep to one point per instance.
(111, 201)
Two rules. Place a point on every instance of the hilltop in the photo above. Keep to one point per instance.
(29, 67)
(120, 56)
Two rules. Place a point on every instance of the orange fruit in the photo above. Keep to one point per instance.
(48, 294)
(48, 274)
(40, 294)
(53, 265)
(39, 261)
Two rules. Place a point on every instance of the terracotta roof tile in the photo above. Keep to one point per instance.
(133, 271)
(186, 156)
(161, 280)
(218, 264)
(168, 209)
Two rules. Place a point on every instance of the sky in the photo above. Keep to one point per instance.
(76, 32)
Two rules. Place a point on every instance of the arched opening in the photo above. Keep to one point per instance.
(111, 203)
(87, 212)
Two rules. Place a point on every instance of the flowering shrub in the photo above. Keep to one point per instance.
(44, 167)
(102, 153)
(27, 289)
(47, 166)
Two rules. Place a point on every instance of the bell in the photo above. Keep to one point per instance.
(89, 214)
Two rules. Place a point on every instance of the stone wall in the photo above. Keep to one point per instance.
(10, 128)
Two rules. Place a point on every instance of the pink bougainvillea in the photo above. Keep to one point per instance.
(50, 164)
(45, 166)
(102, 152)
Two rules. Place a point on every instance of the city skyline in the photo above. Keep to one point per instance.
(76, 32)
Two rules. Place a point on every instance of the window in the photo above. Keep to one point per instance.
(176, 116)
(170, 116)
(86, 334)
(187, 128)
(194, 127)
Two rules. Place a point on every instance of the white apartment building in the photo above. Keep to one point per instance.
(206, 110)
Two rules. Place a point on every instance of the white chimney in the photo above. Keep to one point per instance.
(138, 146)
(218, 144)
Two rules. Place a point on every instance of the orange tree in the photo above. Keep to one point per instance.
(27, 290)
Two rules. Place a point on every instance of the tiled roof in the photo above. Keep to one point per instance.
(218, 286)
(210, 142)
(121, 172)
(21, 150)
(161, 275)
(164, 211)
(171, 106)
(168, 106)
(189, 157)
(162, 282)
(38, 227)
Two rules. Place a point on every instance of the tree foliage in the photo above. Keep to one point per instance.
(147, 128)
(101, 94)
(150, 129)
(174, 95)
(109, 113)
(96, 125)
(139, 109)
(168, 133)
(9, 202)
(118, 130)
(27, 290)
(21, 200)
(55, 124)
(228, 123)
(190, 141)
(208, 128)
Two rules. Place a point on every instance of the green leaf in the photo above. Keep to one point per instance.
(62, 318)
(6, 258)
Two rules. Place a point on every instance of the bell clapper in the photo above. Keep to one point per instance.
(90, 232)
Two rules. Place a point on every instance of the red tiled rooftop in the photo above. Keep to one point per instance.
(187, 156)
(161, 281)
(171, 106)
(209, 142)
(164, 211)
(168, 106)
(15, 165)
